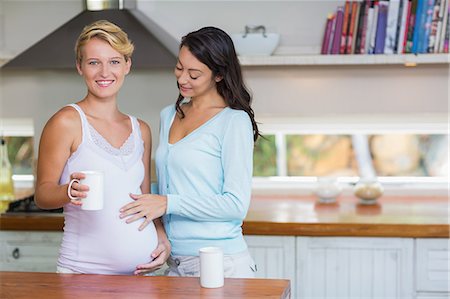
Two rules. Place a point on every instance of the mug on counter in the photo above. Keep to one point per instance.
(211, 267)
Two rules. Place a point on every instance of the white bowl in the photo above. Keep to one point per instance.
(327, 189)
(255, 43)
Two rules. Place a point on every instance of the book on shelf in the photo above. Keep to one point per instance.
(333, 28)
(420, 26)
(411, 26)
(447, 32)
(388, 27)
(401, 25)
(404, 27)
(370, 18)
(425, 35)
(351, 27)
(327, 34)
(355, 28)
(345, 26)
(391, 27)
(380, 37)
(362, 26)
(443, 16)
(338, 31)
(373, 33)
(432, 39)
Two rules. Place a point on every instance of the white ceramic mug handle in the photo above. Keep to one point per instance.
(70, 187)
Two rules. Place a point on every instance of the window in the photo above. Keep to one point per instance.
(20, 152)
(19, 136)
(402, 155)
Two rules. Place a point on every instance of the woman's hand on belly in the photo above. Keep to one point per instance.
(159, 255)
(148, 206)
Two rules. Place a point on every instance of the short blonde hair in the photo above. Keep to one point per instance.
(110, 33)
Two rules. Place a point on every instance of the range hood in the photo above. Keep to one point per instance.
(56, 50)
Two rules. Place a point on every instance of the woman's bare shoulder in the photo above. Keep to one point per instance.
(65, 118)
(143, 125)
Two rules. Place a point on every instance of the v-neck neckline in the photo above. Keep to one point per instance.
(193, 132)
(106, 141)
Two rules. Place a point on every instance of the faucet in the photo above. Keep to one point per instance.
(249, 29)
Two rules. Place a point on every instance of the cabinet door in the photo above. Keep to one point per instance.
(338, 267)
(274, 257)
(433, 265)
(29, 251)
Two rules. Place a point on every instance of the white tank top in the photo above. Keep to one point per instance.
(99, 242)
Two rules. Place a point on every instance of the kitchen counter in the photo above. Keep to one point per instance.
(19, 285)
(399, 216)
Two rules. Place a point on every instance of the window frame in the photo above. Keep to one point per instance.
(350, 125)
(19, 127)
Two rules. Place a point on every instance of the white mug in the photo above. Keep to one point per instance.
(95, 196)
(211, 267)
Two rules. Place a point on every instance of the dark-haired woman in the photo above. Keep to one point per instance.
(204, 159)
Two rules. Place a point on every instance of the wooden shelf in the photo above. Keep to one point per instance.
(311, 60)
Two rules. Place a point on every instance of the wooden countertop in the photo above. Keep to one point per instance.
(400, 216)
(24, 285)
(393, 216)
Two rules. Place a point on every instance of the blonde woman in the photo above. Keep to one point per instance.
(93, 134)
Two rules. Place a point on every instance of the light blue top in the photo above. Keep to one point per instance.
(207, 179)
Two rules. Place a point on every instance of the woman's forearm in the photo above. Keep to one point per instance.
(51, 196)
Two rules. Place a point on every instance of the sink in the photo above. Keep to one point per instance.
(259, 44)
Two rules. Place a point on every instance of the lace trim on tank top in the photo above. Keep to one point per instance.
(125, 150)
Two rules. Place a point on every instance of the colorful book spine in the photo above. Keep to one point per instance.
(418, 26)
(403, 26)
(327, 34)
(447, 31)
(355, 28)
(381, 27)
(426, 26)
(362, 44)
(388, 27)
(391, 26)
(373, 33)
(432, 39)
(400, 18)
(333, 28)
(345, 25)
(411, 24)
(351, 29)
(370, 21)
(440, 32)
(338, 30)
(445, 16)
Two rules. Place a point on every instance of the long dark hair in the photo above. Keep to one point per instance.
(214, 48)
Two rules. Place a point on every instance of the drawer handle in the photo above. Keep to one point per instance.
(16, 253)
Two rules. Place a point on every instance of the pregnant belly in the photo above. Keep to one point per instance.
(116, 248)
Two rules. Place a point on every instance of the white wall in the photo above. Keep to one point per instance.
(39, 94)
(278, 91)
(349, 90)
(300, 22)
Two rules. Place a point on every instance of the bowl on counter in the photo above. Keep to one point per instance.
(368, 190)
(327, 190)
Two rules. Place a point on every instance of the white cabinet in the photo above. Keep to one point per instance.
(356, 267)
(318, 267)
(29, 251)
(274, 257)
(338, 267)
(433, 268)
